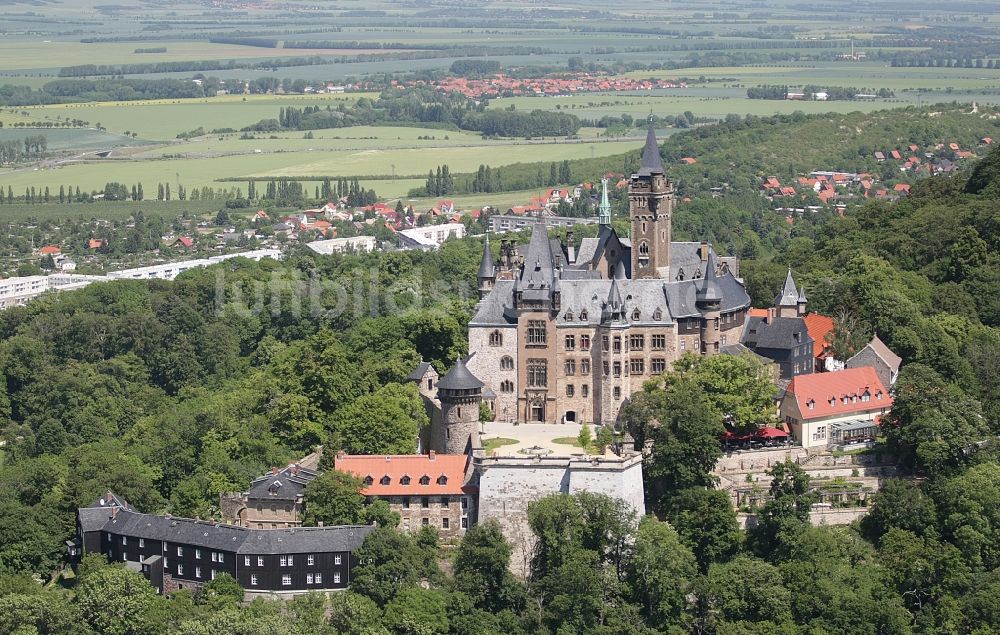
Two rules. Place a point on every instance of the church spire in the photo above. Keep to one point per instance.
(651, 161)
(604, 211)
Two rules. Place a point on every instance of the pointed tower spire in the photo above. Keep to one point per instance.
(487, 271)
(708, 291)
(651, 161)
(786, 302)
(604, 211)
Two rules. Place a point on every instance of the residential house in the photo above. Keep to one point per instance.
(878, 356)
(424, 489)
(782, 335)
(829, 408)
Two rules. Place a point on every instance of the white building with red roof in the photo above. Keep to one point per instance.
(822, 409)
(424, 489)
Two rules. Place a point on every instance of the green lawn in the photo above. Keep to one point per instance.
(572, 441)
(492, 444)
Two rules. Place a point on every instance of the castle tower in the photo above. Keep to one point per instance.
(708, 299)
(460, 394)
(604, 210)
(789, 302)
(651, 206)
(487, 271)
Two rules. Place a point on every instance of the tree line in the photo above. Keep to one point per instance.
(30, 147)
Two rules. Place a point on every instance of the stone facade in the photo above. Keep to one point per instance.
(566, 334)
(507, 485)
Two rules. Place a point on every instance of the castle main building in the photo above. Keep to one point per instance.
(566, 334)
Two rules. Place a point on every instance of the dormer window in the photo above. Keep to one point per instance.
(569, 316)
(405, 480)
(425, 480)
(680, 274)
(878, 395)
(843, 400)
(833, 401)
(442, 480)
(369, 480)
(635, 315)
(385, 480)
(811, 404)
(657, 315)
(583, 316)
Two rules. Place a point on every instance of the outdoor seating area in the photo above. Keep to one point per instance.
(766, 437)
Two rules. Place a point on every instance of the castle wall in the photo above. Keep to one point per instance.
(507, 485)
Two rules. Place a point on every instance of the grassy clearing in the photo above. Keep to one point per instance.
(492, 444)
(572, 441)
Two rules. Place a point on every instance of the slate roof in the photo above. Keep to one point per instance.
(418, 373)
(459, 378)
(651, 161)
(220, 537)
(486, 266)
(708, 288)
(93, 517)
(789, 295)
(891, 359)
(780, 333)
(536, 277)
(288, 484)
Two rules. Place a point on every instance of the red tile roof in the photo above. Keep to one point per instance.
(50, 250)
(819, 389)
(95, 243)
(818, 326)
(445, 473)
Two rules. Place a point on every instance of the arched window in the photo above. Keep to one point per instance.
(644, 248)
(635, 315)
(657, 315)
(425, 480)
(583, 316)
(496, 338)
(507, 386)
(506, 363)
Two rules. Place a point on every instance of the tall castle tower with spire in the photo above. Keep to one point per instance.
(651, 208)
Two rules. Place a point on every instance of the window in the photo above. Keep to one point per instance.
(465, 523)
(584, 342)
(164, 547)
(425, 521)
(617, 344)
(658, 342)
(405, 480)
(310, 560)
(286, 580)
(538, 376)
(583, 316)
(253, 579)
(637, 342)
(636, 366)
(569, 316)
(604, 343)
(406, 502)
(124, 540)
(336, 578)
(683, 345)
(635, 315)
(496, 339)
(506, 363)
(284, 561)
(425, 502)
(336, 559)
(425, 480)
(442, 480)
(618, 369)
(246, 561)
(570, 367)
(309, 578)
(213, 556)
(180, 551)
(569, 390)
(507, 386)
(291, 561)
(584, 390)
(197, 572)
(657, 315)
(465, 503)
(444, 523)
(197, 554)
(618, 392)
(368, 481)
(385, 480)
(213, 574)
(260, 561)
(811, 404)
(658, 366)
(722, 339)
(585, 366)
(536, 333)
(570, 342)
(607, 368)
(180, 569)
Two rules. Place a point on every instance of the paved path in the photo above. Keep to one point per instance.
(530, 435)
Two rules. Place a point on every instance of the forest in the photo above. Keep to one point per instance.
(172, 392)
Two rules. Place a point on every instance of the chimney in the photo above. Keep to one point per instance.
(431, 455)
(114, 512)
(274, 471)
(295, 469)
(703, 250)
(319, 523)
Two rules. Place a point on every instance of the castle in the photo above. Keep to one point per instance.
(566, 334)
